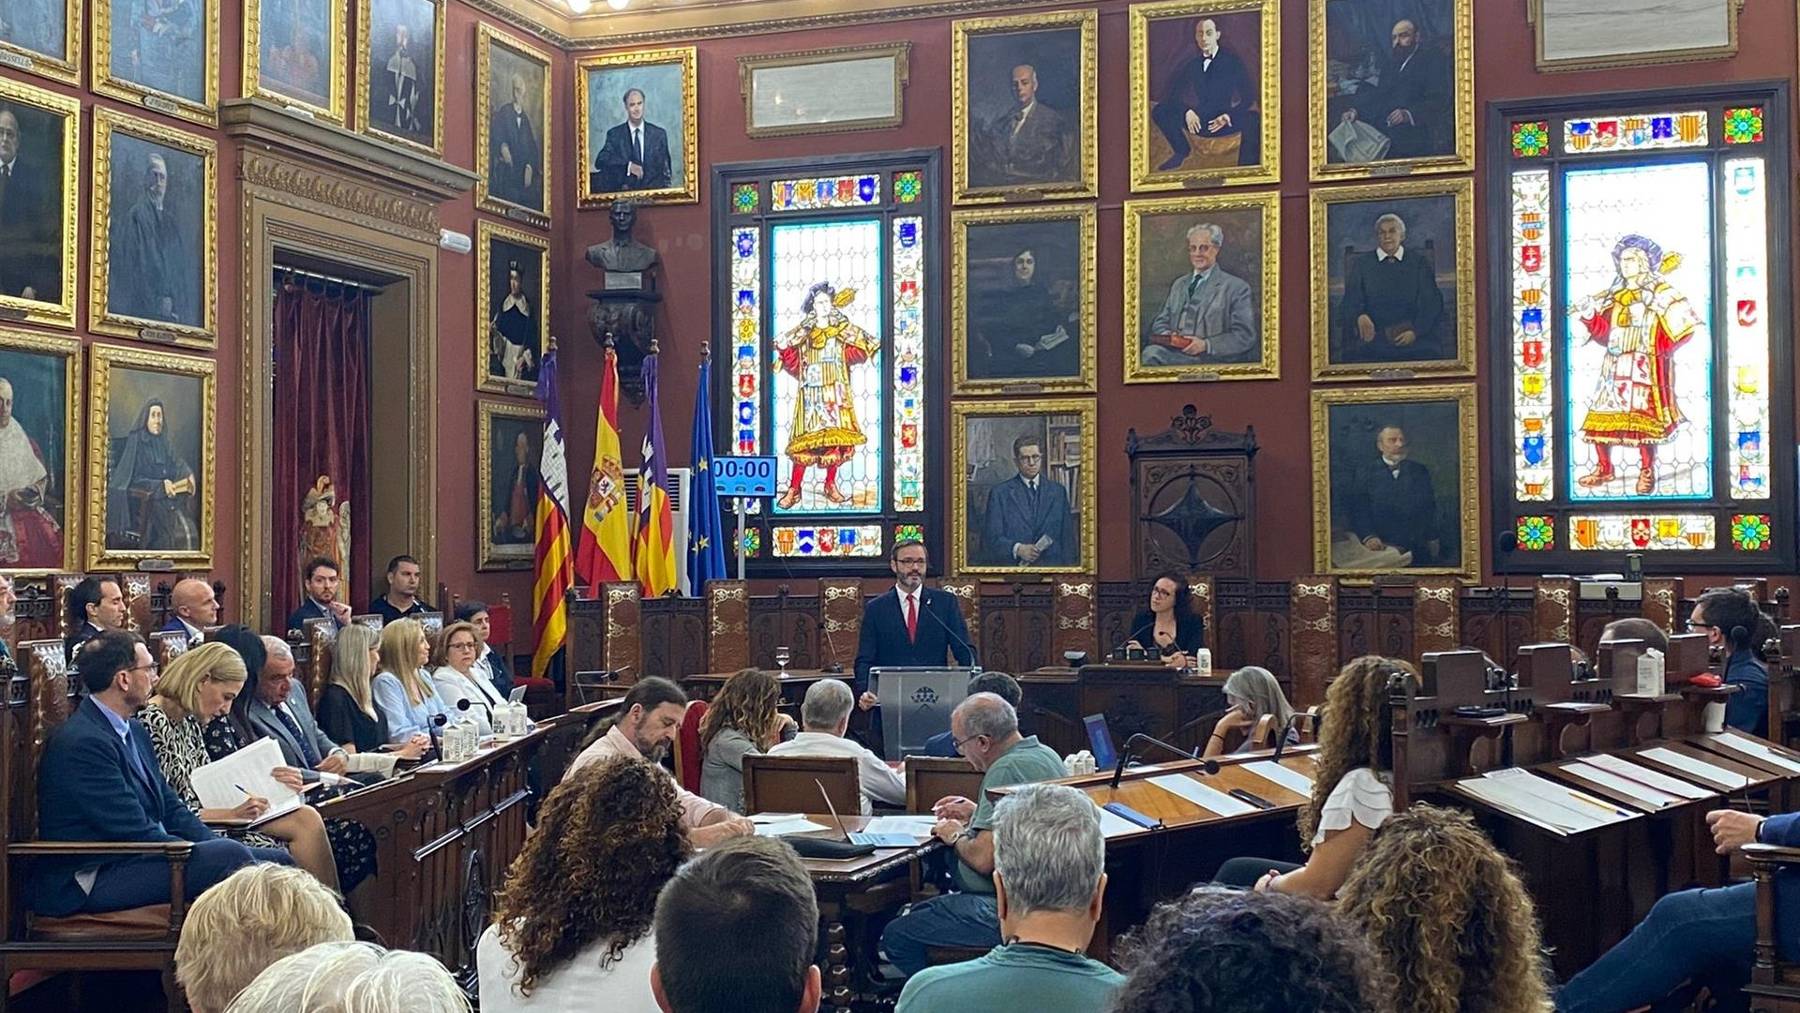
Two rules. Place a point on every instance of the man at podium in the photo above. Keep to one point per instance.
(913, 626)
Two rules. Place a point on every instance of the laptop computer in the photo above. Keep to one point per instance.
(1100, 742)
(871, 840)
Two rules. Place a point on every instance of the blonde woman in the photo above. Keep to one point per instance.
(251, 919)
(402, 693)
(1252, 693)
(196, 688)
(347, 707)
(453, 675)
(743, 718)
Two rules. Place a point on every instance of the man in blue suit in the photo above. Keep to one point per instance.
(635, 155)
(912, 625)
(1707, 934)
(1027, 520)
(192, 608)
(321, 596)
(100, 782)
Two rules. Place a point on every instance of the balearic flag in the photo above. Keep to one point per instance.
(554, 573)
(706, 547)
(656, 572)
(603, 552)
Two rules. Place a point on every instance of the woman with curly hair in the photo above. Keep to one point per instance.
(743, 718)
(1353, 791)
(1227, 951)
(572, 926)
(1446, 912)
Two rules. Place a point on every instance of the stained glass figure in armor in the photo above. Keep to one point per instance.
(819, 353)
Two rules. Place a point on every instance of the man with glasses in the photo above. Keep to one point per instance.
(1730, 619)
(914, 626)
(986, 730)
(282, 714)
(1027, 518)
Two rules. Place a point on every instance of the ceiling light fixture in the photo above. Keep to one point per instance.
(618, 5)
(580, 6)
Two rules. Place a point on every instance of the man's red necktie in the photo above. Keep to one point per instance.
(912, 620)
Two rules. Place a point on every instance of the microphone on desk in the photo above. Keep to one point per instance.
(435, 728)
(1281, 740)
(834, 667)
(1207, 766)
(1507, 543)
(1119, 650)
(925, 606)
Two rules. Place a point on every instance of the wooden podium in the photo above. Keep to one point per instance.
(1146, 697)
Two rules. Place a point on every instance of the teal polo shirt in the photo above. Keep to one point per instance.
(1027, 762)
(1021, 976)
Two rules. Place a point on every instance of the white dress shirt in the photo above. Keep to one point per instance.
(879, 781)
(575, 987)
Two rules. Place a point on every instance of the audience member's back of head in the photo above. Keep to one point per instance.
(352, 978)
(1448, 916)
(1000, 684)
(737, 930)
(1635, 628)
(1229, 951)
(253, 918)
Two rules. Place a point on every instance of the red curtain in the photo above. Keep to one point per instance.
(321, 437)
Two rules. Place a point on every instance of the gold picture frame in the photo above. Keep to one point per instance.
(1325, 98)
(65, 68)
(790, 71)
(1076, 371)
(58, 312)
(486, 38)
(648, 73)
(334, 100)
(486, 234)
(1546, 61)
(108, 82)
(365, 115)
(110, 366)
(1146, 171)
(1142, 291)
(1330, 272)
(66, 479)
(102, 319)
(492, 553)
(986, 182)
(1362, 417)
(983, 471)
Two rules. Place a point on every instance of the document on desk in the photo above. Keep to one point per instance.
(1542, 801)
(223, 783)
(918, 827)
(1760, 751)
(1699, 768)
(1112, 824)
(794, 825)
(1287, 777)
(1206, 798)
(1644, 775)
(1624, 786)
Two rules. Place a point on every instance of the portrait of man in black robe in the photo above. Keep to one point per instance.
(154, 270)
(515, 153)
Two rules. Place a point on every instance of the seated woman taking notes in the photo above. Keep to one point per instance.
(1170, 626)
(403, 694)
(1253, 694)
(1353, 791)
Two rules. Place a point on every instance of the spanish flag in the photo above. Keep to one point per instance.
(656, 570)
(603, 553)
(554, 573)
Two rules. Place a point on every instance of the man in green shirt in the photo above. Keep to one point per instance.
(986, 730)
(1049, 855)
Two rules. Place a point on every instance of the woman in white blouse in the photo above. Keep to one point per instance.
(453, 675)
(1353, 792)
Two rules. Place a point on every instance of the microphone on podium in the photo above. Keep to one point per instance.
(925, 607)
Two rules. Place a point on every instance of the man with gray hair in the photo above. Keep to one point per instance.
(824, 718)
(1209, 316)
(986, 730)
(1392, 309)
(1049, 878)
(280, 713)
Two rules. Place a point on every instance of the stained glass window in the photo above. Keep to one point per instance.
(826, 316)
(1640, 343)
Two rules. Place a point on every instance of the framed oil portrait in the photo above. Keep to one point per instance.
(1393, 289)
(1023, 106)
(400, 72)
(155, 200)
(1395, 486)
(1203, 75)
(1024, 278)
(510, 441)
(151, 420)
(42, 37)
(1393, 87)
(40, 139)
(512, 127)
(1026, 471)
(512, 291)
(294, 54)
(40, 452)
(636, 127)
(1203, 288)
(824, 91)
(160, 54)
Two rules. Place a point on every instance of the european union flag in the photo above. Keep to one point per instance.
(706, 530)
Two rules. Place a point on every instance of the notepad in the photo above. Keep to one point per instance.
(1760, 750)
(1288, 778)
(1699, 768)
(223, 783)
(1202, 796)
(1644, 775)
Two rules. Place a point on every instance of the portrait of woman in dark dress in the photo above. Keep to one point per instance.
(150, 490)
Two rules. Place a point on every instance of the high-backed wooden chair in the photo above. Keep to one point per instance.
(1076, 604)
(140, 939)
(432, 621)
(136, 587)
(790, 784)
(1774, 983)
(1312, 636)
(621, 651)
(166, 647)
(372, 620)
(929, 778)
(967, 592)
(688, 757)
(321, 640)
(60, 586)
(727, 625)
(840, 610)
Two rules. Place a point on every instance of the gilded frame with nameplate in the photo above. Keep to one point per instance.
(1047, 148)
(138, 56)
(400, 119)
(1002, 523)
(298, 60)
(1203, 120)
(666, 84)
(506, 483)
(521, 191)
(37, 261)
(39, 54)
(155, 413)
(43, 517)
(1029, 267)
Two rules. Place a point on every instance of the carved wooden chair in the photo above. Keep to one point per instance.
(140, 939)
(790, 784)
(1774, 983)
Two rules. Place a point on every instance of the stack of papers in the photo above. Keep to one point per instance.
(1112, 824)
(1624, 786)
(1542, 801)
(916, 827)
(1640, 774)
(226, 782)
(1210, 799)
(1756, 749)
(789, 825)
(1288, 778)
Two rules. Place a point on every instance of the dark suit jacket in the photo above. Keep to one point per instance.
(1211, 91)
(1190, 631)
(308, 609)
(1396, 294)
(609, 165)
(175, 625)
(262, 719)
(1400, 510)
(1012, 518)
(72, 643)
(1041, 150)
(31, 221)
(883, 640)
(1423, 87)
(87, 791)
(519, 135)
